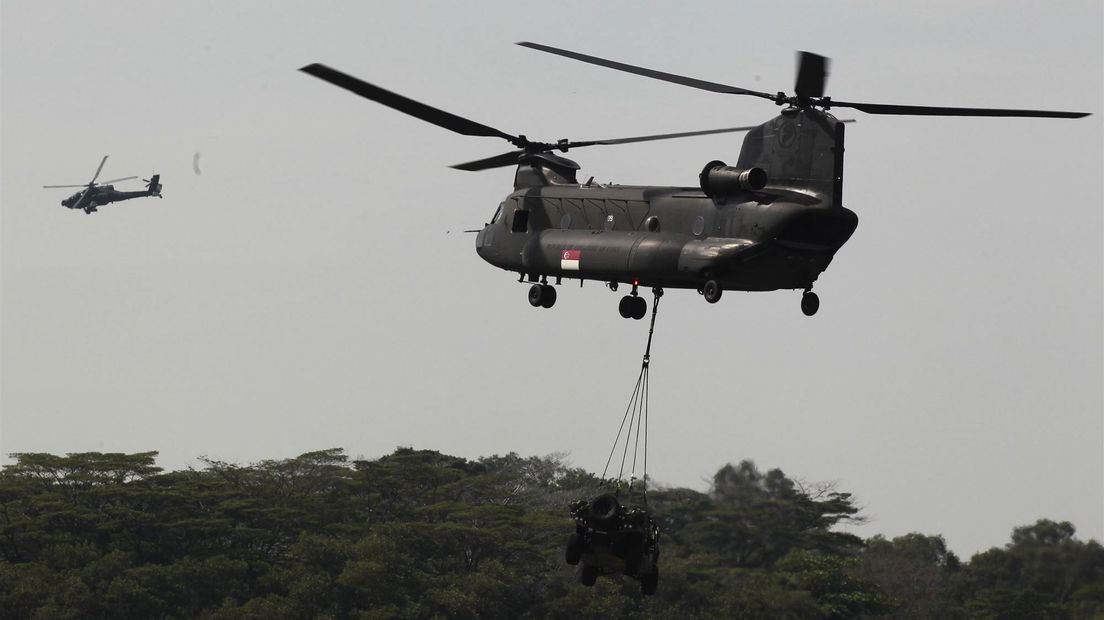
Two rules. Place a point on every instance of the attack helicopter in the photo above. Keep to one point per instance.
(772, 221)
(98, 194)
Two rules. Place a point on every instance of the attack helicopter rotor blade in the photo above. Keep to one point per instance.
(56, 186)
(406, 105)
(497, 161)
(97, 175)
(923, 110)
(116, 180)
(658, 75)
(812, 73)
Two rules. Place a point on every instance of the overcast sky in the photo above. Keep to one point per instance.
(310, 287)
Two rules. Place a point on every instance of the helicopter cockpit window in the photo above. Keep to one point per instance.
(498, 213)
(521, 221)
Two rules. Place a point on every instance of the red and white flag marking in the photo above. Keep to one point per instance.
(569, 260)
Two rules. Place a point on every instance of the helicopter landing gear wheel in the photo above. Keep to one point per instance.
(632, 307)
(810, 303)
(542, 296)
(625, 307)
(712, 291)
(548, 296)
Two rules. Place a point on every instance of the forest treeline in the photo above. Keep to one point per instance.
(420, 534)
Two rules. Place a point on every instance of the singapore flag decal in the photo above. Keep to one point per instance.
(569, 260)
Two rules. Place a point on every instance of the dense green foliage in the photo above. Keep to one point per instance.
(419, 534)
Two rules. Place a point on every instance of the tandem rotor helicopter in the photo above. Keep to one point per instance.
(772, 221)
(98, 194)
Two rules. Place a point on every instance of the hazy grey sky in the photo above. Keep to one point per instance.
(312, 289)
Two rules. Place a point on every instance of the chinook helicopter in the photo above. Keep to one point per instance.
(98, 194)
(772, 221)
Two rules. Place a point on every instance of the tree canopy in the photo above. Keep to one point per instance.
(420, 534)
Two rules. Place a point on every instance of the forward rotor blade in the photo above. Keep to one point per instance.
(116, 180)
(56, 186)
(659, 75)
(405, 105)
(922, 110)
(97, 175)
(498, 161)
(812, 72)
(511, 158)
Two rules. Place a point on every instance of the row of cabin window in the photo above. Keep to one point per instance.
(605, 214)
(586, 213)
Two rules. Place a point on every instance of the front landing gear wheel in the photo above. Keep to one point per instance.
(548, 296)
(712, 291)
(542, 296)
(810, 303)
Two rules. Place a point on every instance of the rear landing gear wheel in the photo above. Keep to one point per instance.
(810, 303)
(632, 307)
(626, 306)
(542, 296)
(712, 291)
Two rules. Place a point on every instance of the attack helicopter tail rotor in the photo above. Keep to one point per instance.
(525, 148)
(809, 86)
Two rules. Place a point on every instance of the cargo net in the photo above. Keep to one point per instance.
(634, 430)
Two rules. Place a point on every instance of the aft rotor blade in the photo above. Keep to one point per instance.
(403, 104)
(56, 186)
(922, 110)
(116, 180)
(97, 175)
(665, 136)
(812, 72)
(659, 75)
(498, 161)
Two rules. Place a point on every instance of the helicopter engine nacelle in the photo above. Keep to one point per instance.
(718, 180)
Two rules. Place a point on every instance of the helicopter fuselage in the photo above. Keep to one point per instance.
(769, 239)
(775, 220)
(99, 195)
